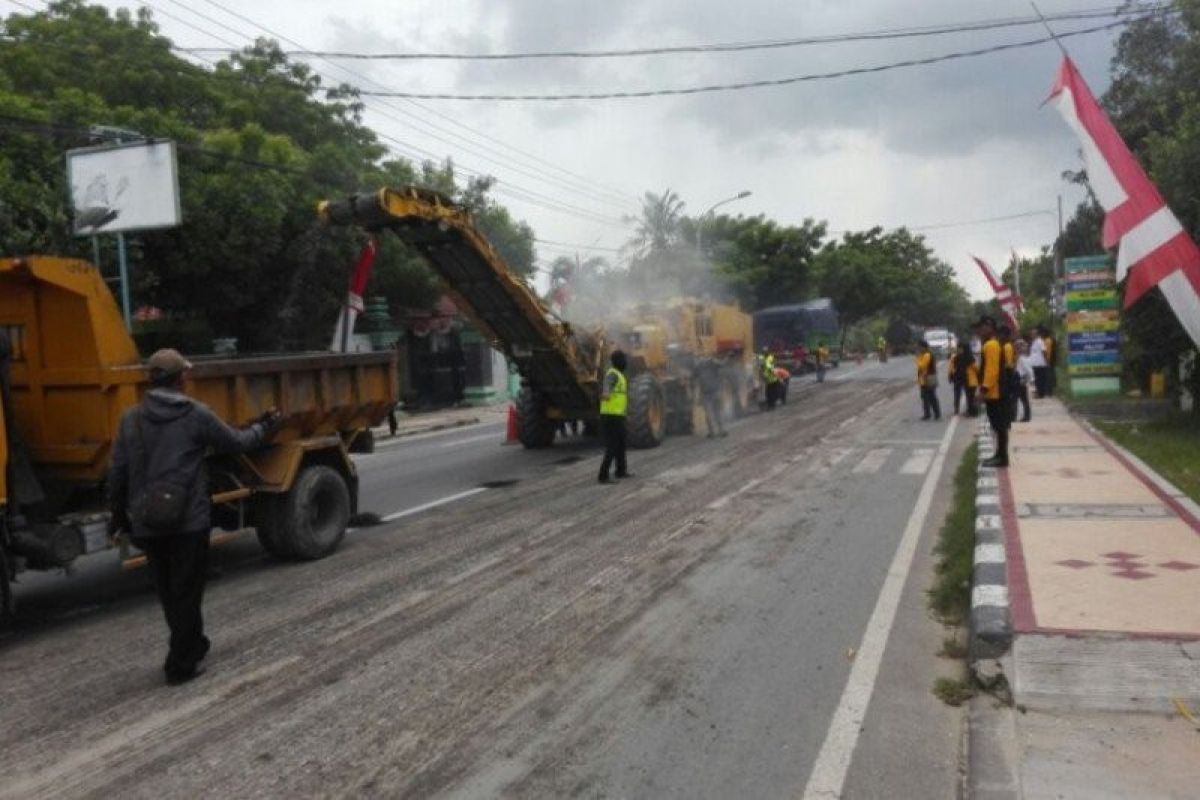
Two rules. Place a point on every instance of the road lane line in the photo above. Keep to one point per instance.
(918, 463)
(828, 775)
(872, 461)
(408, 512)
(396, 441)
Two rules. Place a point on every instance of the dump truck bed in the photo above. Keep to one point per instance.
(559, 364)
(75, 371)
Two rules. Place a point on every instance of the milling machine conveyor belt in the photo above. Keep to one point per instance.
(546, 352)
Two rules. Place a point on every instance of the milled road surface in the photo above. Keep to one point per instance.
(687, 633)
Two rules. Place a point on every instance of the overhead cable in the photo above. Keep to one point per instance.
(735, 47)
(730, 87)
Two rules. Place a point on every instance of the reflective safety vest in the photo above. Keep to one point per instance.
(618, 397)
(768, 368)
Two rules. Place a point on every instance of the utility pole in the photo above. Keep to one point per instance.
(700, 220)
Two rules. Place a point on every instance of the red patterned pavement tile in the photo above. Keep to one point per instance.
(1132, 574)
(1075, 563)
(1180, 566)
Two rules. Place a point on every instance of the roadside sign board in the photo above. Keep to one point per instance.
(1093, 326)
(124, 187)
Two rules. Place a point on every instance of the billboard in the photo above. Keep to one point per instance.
(125, 187)
(1093, 326)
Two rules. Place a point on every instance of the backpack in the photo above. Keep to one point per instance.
(161, 506)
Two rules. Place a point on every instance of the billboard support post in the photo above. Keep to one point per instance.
(126, 184)
(123, 261)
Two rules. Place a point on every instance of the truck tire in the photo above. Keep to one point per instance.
(647, 417)
(7, 603)
(268, 524)
(535, 429)
(313, 516)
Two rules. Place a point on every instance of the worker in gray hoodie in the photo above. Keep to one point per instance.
(158, 492)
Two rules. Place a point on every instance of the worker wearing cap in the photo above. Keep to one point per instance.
(614, 405)
(995, 400)
(158, 493)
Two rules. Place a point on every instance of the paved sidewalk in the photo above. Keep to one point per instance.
(1096, 568)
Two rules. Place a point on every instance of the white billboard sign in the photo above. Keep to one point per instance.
(126, 187)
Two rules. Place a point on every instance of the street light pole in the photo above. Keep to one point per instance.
(700, 222)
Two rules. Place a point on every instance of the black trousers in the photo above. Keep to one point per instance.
(999, 414)
(1023, 399)
(972, 404)
(612, 428)
(1041, 381)
(179, 565)
(959, 391)
(929, 402)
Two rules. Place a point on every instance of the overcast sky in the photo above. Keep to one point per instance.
(930, 145)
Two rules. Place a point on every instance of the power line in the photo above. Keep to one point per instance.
(573, 182)
(960, 224)
(511, 190)
(570, 246)
(734, 47)
(729, 87)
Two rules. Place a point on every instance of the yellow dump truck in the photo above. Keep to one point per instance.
(69, 370)
(560, 365)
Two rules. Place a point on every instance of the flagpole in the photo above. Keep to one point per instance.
(1050, 30)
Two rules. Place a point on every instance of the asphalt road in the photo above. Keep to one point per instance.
(720, 625)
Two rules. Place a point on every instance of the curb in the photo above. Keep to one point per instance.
(991, 621)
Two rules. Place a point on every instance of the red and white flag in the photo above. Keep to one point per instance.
(354, 300)
(1010, 303)
(1153, 248)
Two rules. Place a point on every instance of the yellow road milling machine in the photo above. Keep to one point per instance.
(561, 367)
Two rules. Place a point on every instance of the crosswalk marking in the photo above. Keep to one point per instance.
(873, 461)
(918, 463)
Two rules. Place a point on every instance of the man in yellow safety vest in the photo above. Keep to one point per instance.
(770, 378)
(614, 405)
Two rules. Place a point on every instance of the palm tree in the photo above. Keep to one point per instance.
(658, 225)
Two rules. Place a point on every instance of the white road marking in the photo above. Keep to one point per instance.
(397, 441)
(918, 462)
(490, 437)
(872, 461)
(408, 512)
(829, 771)
(835, 457)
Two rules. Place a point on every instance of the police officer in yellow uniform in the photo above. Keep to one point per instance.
(999, 408)
(614, 404)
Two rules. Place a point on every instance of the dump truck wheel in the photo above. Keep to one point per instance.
(314, 514)
(647, 418)
(268, 524)
(7, 604)
(536, 430)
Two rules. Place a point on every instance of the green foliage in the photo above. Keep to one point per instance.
(261, 141)
(895, 272)
(1168, 445)
(950, 595)
(762, 262)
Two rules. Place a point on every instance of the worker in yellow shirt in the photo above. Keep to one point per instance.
(927, 382)
(1049, 345)
(964, 377)
(1010, 381)
(999, 409)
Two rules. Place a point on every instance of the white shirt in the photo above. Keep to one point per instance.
(1024, 369)
(1037, 352)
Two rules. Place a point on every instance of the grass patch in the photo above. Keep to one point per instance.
(952, 648)
(950, 595)
(1170, 445)
(953, 691)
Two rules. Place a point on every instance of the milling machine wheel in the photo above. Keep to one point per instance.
(647, 418)
(535, 429)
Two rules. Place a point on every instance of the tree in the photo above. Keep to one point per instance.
(261, 140)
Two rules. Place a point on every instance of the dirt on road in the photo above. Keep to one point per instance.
(423, 655)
